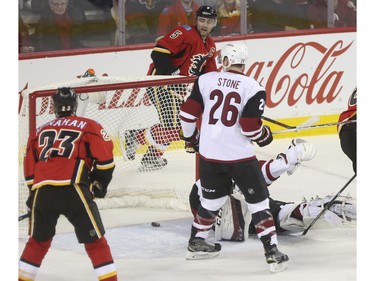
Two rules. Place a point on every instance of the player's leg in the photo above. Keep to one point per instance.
(348, 143)
(213, 198)
(160, 136)
(249, 179)
(41, 230)
(84, 215)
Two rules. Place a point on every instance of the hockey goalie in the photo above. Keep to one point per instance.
(233, 222)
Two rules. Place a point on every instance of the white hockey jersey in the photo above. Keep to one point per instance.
(230, 105)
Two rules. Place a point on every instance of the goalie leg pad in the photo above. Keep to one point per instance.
(232, 222)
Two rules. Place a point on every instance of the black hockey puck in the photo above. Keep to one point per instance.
(155, 224)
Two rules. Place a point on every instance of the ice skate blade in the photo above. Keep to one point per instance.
(278, 267)
(201, 255)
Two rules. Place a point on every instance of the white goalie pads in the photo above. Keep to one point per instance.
(344, 209)
(233, 221)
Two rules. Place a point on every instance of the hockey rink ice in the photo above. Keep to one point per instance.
(145, 253)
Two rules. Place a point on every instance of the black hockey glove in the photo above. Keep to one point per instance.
(266, 138)
(191, 143)
(30, 200)
(98, 189)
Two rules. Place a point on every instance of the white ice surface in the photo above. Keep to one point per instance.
(142, 252)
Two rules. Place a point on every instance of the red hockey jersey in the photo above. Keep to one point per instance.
(63, 152)
(350, 113)
(189, 53)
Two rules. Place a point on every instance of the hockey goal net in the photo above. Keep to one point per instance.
(120, 104)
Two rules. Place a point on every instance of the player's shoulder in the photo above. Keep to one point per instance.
(209, 75)
(185, 28)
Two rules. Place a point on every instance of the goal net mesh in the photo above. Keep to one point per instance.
(123, 105)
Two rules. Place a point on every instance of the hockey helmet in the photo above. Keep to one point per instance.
(206, 12)
(64, 102)
(236, 52)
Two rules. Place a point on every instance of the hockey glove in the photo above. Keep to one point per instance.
(98, 189)
(30, 200)
(191, 143)
(266, 137)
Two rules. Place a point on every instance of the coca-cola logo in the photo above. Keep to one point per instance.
(289, 80)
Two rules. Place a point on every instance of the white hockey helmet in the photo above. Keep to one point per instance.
(236, 52)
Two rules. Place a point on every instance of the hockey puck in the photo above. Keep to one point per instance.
(155, 224)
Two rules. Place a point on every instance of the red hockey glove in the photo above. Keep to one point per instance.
(191, 143)
(266, 138)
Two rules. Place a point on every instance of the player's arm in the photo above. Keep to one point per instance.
(30, 160)
(101, 150)
(162, 61)
(190, 112)
(251, 122)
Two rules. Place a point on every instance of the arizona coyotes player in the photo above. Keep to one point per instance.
(348, 132)
(68, 161)
(229, 105)
(186, 50)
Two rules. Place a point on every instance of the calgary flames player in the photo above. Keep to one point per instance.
(188, 51)
(348, 132)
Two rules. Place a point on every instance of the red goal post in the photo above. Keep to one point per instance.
(120, 104)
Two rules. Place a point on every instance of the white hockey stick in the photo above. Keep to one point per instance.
(308, 127)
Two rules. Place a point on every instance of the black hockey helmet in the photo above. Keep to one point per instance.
(64, 102)
(206, 12)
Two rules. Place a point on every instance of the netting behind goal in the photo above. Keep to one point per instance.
(121, 104)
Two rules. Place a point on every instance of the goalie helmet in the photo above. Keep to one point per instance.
(236, 52)
(64, 102)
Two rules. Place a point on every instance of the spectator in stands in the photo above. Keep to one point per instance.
(24, 39)
(345, 13)
(229, 18)
(60, 27)
(100, 27)
(277, 15)
(141, 18)
(178, 13)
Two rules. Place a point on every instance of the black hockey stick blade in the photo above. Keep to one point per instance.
(328, 205)
(24, 216)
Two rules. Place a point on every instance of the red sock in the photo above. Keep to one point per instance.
(101, 259)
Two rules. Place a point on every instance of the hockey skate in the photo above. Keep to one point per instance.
(131, 144)
(276, 259)
(199, 249)
(300, 150)
(151, 162)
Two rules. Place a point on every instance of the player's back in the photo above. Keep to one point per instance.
(225, 94)
(64, 151)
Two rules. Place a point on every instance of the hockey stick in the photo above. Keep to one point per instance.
(328, 205)
(308, 122)
(24, 216)
(298, 128)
